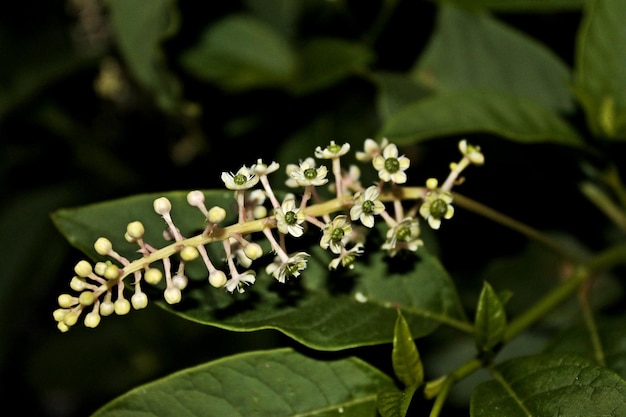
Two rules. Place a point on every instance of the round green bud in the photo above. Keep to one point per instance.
(153, 276)
(111, 272)
(139, 300)
(92, 319)
(189, 253)
(103, 246)
(253, 251)
(217, 278)
(86, 298)
(135, 230)
(172, 295)
(83, 269)
(216, 214)
(66, 301)
(162, 206)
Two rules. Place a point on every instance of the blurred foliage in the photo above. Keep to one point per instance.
(112, 98)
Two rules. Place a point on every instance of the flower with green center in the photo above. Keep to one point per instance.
(471, 152)
(244, 179)
(332, 151)
(260, 168)
(404, 235)
(307, 174)
(371, 149)
(366, 206)
(289, 218)
(336, 234)
(390, 166)
(437, 205)
(347, 257)
(292, 267)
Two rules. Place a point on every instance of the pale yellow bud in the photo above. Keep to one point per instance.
(78, 284)
(135, 230)
(86, 298)
(71, 317)
(66, 301)
(217, 278)
(59, 313)
(189, 253)
(153, 276)
(103, 246)
(432, 183)
(111, 272)
(121, 306)
(107, 308)
(92, 319)
(100, 268)
(83, 268)
(139, 300)
(172, 295)
(162, 206)
(216, 214)
(253, 251)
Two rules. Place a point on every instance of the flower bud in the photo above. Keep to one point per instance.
(121, 306)
(253, 251)
(135, 230)
(66, 301)
(189, 253)
(83, 268)
(162, 206)
(172, 295)
(216, 214)
(153, 276)
(111, 272)
(92, 319)
(103, 246)
(86, 298)
(217, 278)
(139, 300)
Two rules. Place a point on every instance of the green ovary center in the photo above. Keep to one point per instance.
(368, 207)
(438, 208)
(392, 165)
(240, 179)
(290, 218)
(336, 235)
(310, 173)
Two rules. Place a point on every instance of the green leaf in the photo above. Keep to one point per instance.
(612, 335)
(325, 61)
(241, 52)
(407, 364)
(473, 50)
(140, 28)
(359, 312)
(396, 90)
(490, 322)
(462, 113)
(521, 6)
(273, 383)
(599, 73)
(550, 385)
(395, 403)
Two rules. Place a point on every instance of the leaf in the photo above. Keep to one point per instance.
(462, 113)
(600, 62)
(139, 30)
(325, 61)
(241, 52)
(395, 91)
(521, 6)
(395, 403)
(407, 364)
(473, 50)
(612, 334)
(275, 383)
(550, 385)
(305, 308)
(490, 321)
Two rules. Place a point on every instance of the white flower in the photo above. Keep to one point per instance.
(289, 218)
(471, 152)
(290, 268)
(347, 257)
(404, 235)
(239, 281)
(332, 151)
(390, 166)
(366, 205)
(437, 205)
(244, 179)
(263, 169)
(306, 174)
(336, 234)
(371, 149)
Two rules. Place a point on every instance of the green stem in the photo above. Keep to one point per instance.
(383, 17)
(458, 374)
(590, 323)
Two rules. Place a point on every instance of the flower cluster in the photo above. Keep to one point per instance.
(342, 222)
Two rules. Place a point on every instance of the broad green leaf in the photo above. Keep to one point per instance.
(521, 6)
(600, 61)
(325, 61)
(282, 15)
(359, 312)
(241, 52)
(140, 28)
(550, 385)
(276, 383)
(478, 112)
(612, 338)
(490, 321)
(473, 50)
(406, 361)
(395, 403)
(395, 90)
